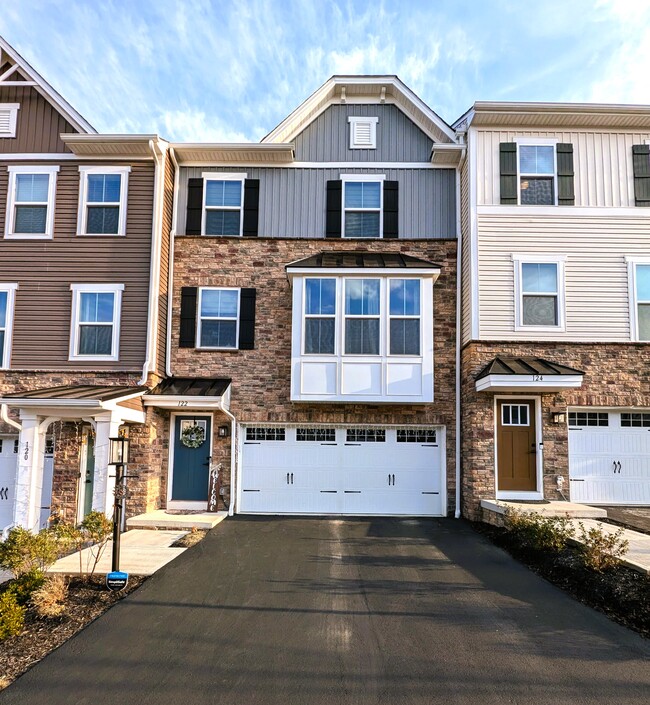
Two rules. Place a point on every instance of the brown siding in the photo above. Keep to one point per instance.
(38, 125)
(168, 203)
(135, 404)
(44, 270)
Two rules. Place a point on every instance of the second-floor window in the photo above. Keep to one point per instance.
(102, 200)
(539, 292)
(30, 205)
(95, 321)
(218, 318)
(223, 198)
(640, 304)
(362, 206)
(7, 296)
(537, 175)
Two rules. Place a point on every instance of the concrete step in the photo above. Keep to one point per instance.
(556, 509)
(161, 519)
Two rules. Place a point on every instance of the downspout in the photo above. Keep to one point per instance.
(170, 274)
(459, 335)
(4, 415)
(154, 265)
(233, 458)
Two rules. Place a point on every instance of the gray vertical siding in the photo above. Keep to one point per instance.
(328, 137)
(292, 200)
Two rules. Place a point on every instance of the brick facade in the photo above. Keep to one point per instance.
(616, 375)
(261, 377)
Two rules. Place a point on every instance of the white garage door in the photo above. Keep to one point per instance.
(609, 457)
(8, 464)
(321, 470)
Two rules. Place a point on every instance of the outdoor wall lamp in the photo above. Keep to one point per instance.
(118, 451)
(223, 431)
(558, 415)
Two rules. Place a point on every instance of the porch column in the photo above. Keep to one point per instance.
(107, 426)
(29, 473)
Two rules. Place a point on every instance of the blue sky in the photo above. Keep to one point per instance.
(211, 70)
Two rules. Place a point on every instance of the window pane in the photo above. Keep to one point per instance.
(30, 219)
(32, 187)
(536, 160)
(104, 188)
(103, 220)
(405, 336)
(221, 303)
(362, 194)
(96, 308)
(223, 193)
(644, 321)
(362, 297)
(643, 282)
(320, 296)
(319, 336)
(222, 222)
(3, 308)
(540, 311)
(218, 334)
(95, 340)
(537, 192)
(404, 297)
(539, 278)
(2, 348)
(362, 336)
(362, 224)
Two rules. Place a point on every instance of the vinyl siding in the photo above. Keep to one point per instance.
(38, 125)
(44, 270)
(602, 163)
(597, 308)
(466, 301)
(328, 137)
(292, 200)
(168, 204)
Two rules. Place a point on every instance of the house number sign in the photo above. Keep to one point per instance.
(538, 378)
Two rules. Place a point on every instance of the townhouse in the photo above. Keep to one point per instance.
(556, 284)
(82, 301)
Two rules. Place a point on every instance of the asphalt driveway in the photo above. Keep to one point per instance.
(311, 611)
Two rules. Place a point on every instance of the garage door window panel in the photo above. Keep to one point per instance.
(588, 418)
(320, 316)
(362, 316)
(263, 433)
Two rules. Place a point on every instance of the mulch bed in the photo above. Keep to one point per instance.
(190, 539)
(86, 601)
(622, 594)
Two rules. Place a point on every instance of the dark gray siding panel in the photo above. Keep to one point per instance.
(327, 139)
(292, 200)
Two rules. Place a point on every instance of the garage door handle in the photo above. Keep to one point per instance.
(619, 467)
(287, 478)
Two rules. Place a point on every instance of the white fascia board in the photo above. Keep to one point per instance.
(183, 403)
(402, 272)
(528, 383)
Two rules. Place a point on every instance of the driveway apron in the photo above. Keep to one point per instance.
(328, 611)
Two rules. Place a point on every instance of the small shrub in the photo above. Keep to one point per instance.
(23, 587)
(601, 550)
(23, 551)
(96, 529)
(12, 615)
(543, 533)
(49, 599)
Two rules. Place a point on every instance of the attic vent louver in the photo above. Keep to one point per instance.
(8, 115)
(363, 132)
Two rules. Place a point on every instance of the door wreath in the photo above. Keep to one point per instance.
(193, 436)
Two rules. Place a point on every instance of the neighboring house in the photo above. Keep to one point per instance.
(84, 223)
(556, 303)
(314, 321)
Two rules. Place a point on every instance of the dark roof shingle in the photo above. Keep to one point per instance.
(502, 365)
(359, 259)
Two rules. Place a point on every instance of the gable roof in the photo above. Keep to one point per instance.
(363, 89)
(33, 78)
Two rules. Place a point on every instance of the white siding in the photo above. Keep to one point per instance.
(602, 163)
(466, 300)
(597, 307)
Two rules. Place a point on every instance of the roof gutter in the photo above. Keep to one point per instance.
(170, 276)
(4, 415)
(233, 457)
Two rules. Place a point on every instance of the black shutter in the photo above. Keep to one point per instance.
(391, 198)
(194, 206)
(247, 319)
(188, 317)
(334, 206)
(508, 167)
(641, 166)
(251, 207)
(565, 191)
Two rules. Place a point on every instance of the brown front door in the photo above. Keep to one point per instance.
(516, 446)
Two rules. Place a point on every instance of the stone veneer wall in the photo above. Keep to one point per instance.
(616, 375)
(261, 377)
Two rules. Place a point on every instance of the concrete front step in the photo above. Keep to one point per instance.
(556, 509)
(161, 519)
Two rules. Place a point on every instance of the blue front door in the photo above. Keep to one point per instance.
(191, 464)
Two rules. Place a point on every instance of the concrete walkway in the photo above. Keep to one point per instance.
(142, 552)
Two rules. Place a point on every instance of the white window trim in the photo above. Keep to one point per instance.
(559, 260)
(51, 171)
(521, 406)
(335, 315)
(632, 263)
(13, 109)
(82, 216)
(217, 176)
(401, 317)
(78, 289)
(537, 142)
(367, 178)
(217, 318)
(372, 122)
(10, 289)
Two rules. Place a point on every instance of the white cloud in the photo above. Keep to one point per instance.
(190, 125)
